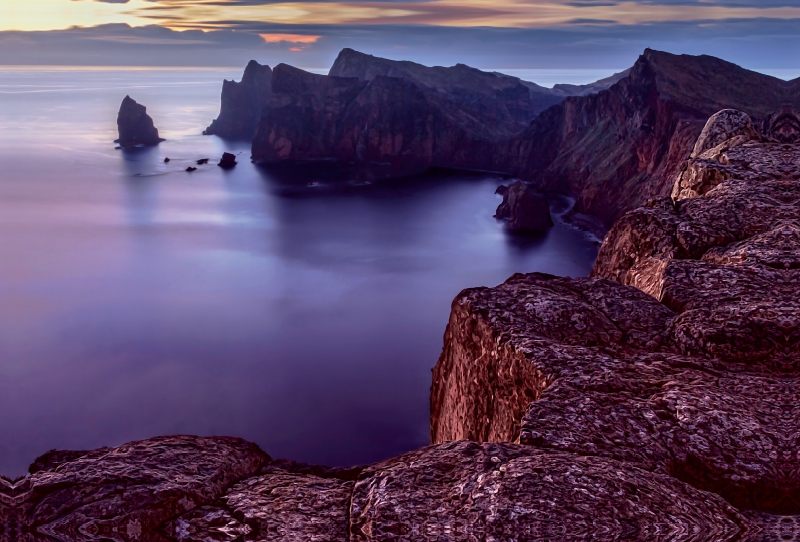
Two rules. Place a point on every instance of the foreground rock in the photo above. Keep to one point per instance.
(135, 126)
(680, 354)
(221, 489)
(525, 209)
(242, 103)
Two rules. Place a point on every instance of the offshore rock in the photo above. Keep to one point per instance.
(135, 126)
(227, 161)
(242, 103)
(525, 209)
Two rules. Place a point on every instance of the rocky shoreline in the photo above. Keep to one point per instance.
(655, 400)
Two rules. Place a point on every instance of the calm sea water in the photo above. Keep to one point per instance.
(137, 299)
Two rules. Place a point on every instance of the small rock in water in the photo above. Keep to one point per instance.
(190, 169)
(166, 160)
(227, 161)
(202, 161)
(501, 190)
(117, 148)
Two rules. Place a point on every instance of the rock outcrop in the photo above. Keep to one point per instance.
(525, 209)
(678, 356)
(221, 489)
(617, 149)
(242, 103)
(135, 126)
(227, 161)
(396, 118)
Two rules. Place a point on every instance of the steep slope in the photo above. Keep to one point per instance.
(242, 103)
(390, 124)
(616, 149)
(492, 97)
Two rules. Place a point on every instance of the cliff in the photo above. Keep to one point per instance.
(656, 400)
(616, 149)
(242, 103)
(135, 126)
(678, 355)
(398, 118)
(388, 123)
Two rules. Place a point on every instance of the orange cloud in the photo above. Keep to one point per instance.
(291, 38)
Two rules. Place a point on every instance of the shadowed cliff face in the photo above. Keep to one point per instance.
(397, 118)
(388, 123)
(618, 148)
(242, 103)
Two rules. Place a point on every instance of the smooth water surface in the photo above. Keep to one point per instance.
(137, 299)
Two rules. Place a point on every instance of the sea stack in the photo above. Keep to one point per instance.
(525, 209)
(135, 125)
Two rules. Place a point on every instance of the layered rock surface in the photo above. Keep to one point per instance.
(678, 356)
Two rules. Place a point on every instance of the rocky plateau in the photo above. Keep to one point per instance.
(655, 400)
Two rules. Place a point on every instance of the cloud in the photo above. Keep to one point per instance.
(290, 38)
(753, 43)
(113, 1)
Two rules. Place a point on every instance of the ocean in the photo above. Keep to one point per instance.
(139, 300)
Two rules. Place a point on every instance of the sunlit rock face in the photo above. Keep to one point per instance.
(135, 126)
(678, 356)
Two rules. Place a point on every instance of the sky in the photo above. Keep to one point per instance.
(513, 34)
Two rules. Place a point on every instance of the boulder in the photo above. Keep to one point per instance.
(135, 126)
(227, 161)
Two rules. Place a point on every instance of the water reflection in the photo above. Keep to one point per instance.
(137, 299)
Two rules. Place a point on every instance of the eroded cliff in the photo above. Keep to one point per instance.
(617, 149)
(241, 103)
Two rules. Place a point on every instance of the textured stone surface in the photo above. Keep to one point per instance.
(241, 103)
(135, 126)
(470, 491)
(686, 364)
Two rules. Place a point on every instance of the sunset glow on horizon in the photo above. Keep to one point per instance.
(223, 14)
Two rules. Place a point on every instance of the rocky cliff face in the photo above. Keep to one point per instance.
(678, 356)
(616, 149)
(397, 118)
(242, 103)
(387, 123)
(135, 126)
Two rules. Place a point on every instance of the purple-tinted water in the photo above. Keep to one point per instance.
(138, 300)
